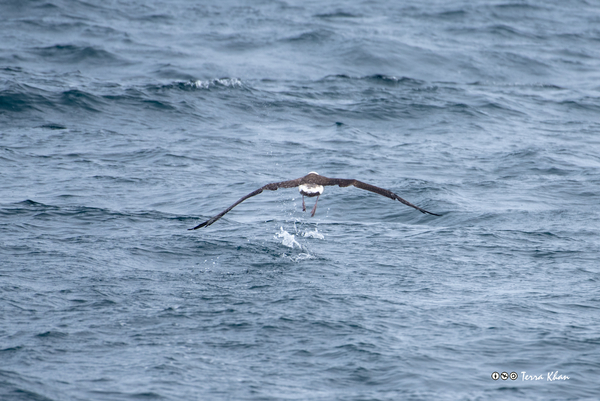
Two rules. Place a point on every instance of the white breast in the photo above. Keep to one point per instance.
(310, 189)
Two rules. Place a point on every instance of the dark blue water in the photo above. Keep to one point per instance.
(124, 123)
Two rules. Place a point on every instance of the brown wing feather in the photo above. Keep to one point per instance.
(363, 185)
(389, 194)
(271, 187)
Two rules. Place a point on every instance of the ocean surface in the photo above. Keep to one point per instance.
(124, 123)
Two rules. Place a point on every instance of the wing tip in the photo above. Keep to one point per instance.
(198, 226)
(431, 213)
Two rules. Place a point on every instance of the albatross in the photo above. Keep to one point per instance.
(312, 185)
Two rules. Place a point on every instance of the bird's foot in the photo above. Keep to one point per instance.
(314, 209)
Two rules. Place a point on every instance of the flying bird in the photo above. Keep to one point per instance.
(312, 185)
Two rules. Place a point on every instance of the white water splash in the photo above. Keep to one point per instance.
(313, 234)
(289, 240)
(227, 82)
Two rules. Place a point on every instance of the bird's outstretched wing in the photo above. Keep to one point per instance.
(381, 191)
(314, 179)
(271, 187)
